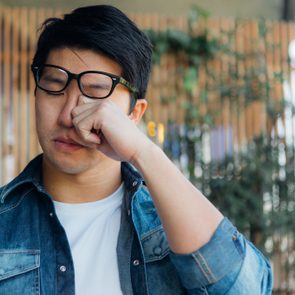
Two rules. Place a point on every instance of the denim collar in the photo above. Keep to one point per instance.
(33, 174)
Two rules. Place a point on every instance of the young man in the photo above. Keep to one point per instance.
(80, 219)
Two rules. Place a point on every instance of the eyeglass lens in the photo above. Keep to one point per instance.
(92, 84)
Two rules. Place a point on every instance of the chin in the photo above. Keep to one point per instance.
(72, 170)
(68, 165)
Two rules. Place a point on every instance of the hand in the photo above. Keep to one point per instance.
(101, 124)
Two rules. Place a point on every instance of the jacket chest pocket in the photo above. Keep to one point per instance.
(19, 272)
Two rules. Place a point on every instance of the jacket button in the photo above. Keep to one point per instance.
(62, 268)
(134, 183)
(158, 251)
(136, 262)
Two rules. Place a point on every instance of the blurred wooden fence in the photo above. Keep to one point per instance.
(254, 43)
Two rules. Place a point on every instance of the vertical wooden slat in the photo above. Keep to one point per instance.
(219, 68)
(277, 69)
(270, 69)
(162, 109)
(248, 61)
(33, 148)
(284, 67)
(240, 50)
(181, 97)
(1, 94)
(217, 110)
(16, 87)
(289, 124)
(212, 79)
(263, 77)
(227, 27)
(224, 103)
(23, 99)
(291, 36)
(234, 107)
(172, 89)
(257, 109)
(6, 87)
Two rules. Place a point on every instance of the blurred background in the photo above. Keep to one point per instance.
(221, 104)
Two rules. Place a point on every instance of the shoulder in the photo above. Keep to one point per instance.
(31, 175)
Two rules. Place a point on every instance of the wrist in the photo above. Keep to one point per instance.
(146, 155)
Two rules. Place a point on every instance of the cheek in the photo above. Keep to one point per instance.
(45, 114)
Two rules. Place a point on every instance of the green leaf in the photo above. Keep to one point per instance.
(190, 79)
(177, 40)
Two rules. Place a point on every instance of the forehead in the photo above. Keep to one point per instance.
(80, 60)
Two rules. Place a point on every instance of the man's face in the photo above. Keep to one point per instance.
(56, 133)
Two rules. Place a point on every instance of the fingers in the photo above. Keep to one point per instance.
(88, 126)
(100, 123)
(86, 122)
(84, 103)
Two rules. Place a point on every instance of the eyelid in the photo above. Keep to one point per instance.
(98, 86)
(53, 79)
(54, 93)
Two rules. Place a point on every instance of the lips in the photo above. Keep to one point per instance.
(66, 144)
(66, 140)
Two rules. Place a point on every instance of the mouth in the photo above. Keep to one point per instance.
(66, 144)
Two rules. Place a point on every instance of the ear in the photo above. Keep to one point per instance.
(138, 110)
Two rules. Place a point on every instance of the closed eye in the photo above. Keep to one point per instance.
(49, 79)
(97, 86)
(54, 93)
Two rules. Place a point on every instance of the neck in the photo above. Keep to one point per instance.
(89, 186)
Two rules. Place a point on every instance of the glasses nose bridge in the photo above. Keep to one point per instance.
(72, 76)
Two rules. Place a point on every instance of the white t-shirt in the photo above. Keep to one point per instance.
(92, 229)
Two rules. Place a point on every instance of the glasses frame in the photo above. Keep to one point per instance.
(71, 76)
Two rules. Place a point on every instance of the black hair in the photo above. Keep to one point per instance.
(105, 30)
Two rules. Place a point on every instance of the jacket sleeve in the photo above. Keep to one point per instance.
(228, 264)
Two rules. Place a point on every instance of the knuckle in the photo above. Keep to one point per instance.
(104, 105)
(83, 134)
(75, 112)
(75, 121)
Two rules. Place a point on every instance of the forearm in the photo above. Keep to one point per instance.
(188, 218)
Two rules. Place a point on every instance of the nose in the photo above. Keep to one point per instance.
(71, 97)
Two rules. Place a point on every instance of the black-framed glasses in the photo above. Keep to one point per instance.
(93, 84)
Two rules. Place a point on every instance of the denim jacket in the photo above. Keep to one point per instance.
(35, 257)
